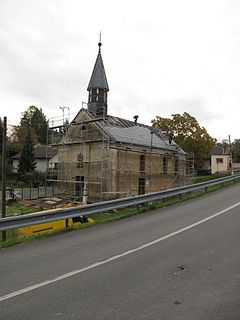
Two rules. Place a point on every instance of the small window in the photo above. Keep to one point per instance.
(219, 160)
(142, 163)
(164, 168)
(79, 160)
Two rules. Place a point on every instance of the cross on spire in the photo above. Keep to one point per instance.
(100, 41)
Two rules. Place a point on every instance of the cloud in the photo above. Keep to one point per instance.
(161, 57)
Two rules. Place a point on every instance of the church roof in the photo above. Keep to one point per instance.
(130, 132)
(98, 78)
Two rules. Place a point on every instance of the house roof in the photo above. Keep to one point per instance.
(98, 78)
(219, 150)
(130, 132)
(40, 152)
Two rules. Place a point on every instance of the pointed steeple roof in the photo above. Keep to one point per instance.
(98, 79)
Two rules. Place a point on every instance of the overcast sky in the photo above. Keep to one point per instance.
(161, 57)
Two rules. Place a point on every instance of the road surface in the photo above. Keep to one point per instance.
(180, 262)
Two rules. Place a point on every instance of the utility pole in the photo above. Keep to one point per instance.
(4, 173)
(231, 158)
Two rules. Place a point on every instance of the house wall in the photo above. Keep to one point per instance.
(219, 163)
(41, 164)
(113, 170)
(153, 175)
(53, 162)
(15, 165)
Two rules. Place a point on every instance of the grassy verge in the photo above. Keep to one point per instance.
(13, 237)
(206, 178)
(19, 208)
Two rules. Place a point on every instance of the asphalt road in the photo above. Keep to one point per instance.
(181, 262)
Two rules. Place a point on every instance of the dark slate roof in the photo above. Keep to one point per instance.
(40, 152)
(98, 78)
(219, 150)
(126, 131)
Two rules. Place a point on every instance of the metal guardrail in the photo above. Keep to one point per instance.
(61, 214)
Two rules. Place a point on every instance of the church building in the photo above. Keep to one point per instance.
(113, 157)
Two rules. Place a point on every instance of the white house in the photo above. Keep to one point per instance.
(220, 160)
(46, 157)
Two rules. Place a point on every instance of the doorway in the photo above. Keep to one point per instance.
(141, 186)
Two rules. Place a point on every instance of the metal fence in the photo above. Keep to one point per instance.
(30, 193)
(60, 214)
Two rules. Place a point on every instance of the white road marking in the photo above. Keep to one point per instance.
(121, 255)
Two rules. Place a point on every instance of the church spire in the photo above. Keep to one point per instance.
(98, 86)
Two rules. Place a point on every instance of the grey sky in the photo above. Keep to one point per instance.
(161, 57)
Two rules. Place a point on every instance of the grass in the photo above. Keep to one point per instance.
(13, 237)
(18, 208)
(206, 178)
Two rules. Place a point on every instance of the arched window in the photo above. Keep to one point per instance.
(176, 166)
(165, 165)
(142, 163)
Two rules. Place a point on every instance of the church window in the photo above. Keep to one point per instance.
(165, 164)
(79, 160)
(142, 163)
(176, 165)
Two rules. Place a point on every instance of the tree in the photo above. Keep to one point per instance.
(27, 163)
(188, 134)
(19, 135)
(236, 150)
(36, 119)
(10, 151)
(33, 119)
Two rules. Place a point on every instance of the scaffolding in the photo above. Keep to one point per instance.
(90, 160)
